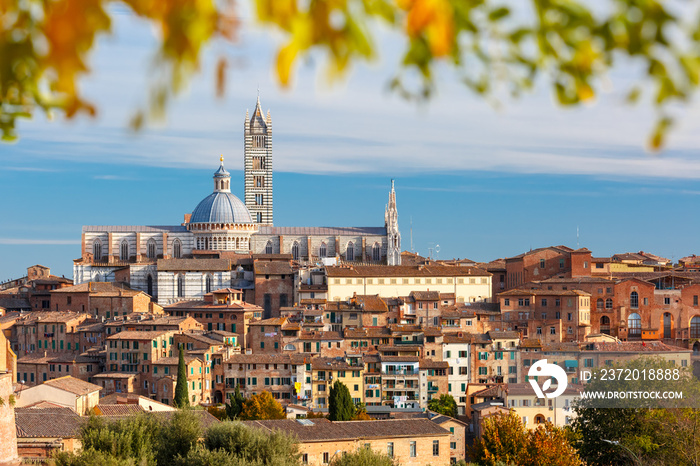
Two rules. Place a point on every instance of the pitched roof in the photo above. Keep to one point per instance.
(98, 289)
(273, 268)
(405, 271)
(138, 335)
(73, 385)
(319, 430)
(120, 409)
(47, 423)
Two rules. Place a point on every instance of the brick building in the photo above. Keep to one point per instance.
(102, 299)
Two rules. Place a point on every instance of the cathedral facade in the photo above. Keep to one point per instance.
(183, 262)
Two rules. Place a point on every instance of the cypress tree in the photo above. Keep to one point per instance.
(182, 397)
(235, 404)
(340, 405)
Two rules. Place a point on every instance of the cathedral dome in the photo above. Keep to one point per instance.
(221, 207)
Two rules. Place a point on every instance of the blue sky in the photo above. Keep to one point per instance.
(481, 182)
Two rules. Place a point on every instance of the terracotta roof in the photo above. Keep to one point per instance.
(261, 358)
(531, 343)
(561, 249)
(98, 289)
(138, 335)
(47, 423)
(115, 410)
(531, 292)
(405, 271)
(315, 335)
(371, 303)
(635, 347)
(49, 317)
(319, 363)
(274, 321)
(321, 430)
(73, 385)
(432, 364)
(234, 306)
(273, 268)
(504, 335)
(426, 295)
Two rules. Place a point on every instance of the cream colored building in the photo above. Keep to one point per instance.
(66, 391)
(469, 284)
(521, 398)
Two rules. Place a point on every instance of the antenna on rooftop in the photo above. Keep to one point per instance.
(411, 233)
(577, 237)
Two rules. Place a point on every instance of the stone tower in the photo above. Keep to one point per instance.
(393, 236)
(257, 153)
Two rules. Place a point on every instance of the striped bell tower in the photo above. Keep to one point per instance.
(257, 153)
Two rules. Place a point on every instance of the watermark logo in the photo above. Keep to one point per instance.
(542, 369)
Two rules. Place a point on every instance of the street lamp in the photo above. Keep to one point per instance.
(637, 461)
(331, 459)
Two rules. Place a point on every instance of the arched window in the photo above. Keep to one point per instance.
(124, 250)
(149, 285)
(634, 300)
(268, 247)
(295, 251)
(208, 284)
(151, 249)
(599, 304)
(376, 252)
(350, 252)
(98, 277)
(695, 327)
(180, 286)
(634, 324)
(322, 250)
(605, 325)
(97, 250)
(177, 249)
(608, 303)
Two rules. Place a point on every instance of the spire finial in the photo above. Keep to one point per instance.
(221, 158)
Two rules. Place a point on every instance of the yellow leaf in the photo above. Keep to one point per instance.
(285, 59)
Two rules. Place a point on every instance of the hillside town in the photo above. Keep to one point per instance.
(289, 311)
(470, 330)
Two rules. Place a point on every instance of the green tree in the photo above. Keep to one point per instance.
(640, 430)
(182, 397)
(445, 404)
(252, 445)
(262, 406)
(235, 404)
(506, 441)
(340, 405)
(495, 49)
(181, 435)
(144, 440)
(503, 440)
(363, 457)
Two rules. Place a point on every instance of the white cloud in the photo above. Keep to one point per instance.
(25, 241)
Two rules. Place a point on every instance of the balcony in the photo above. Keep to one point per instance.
(407, 372)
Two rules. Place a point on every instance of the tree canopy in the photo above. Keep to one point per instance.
(340, 405)
(495, 49)
(262, 406)
(505, 440)
(444, 404)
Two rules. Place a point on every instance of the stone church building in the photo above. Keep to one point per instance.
(183, 262)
